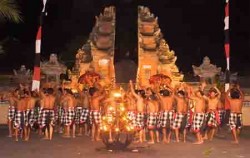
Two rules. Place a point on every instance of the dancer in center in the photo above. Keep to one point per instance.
(140, 109)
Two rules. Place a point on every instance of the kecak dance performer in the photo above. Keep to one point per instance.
(12, 98)
(20, 116)
(212, 115)
(140, 110)
(48, 113)
(235, 120)
(69, 115)
(180, 123)
(84, 118)
(166, 97)
(96, 95)
(199, 115)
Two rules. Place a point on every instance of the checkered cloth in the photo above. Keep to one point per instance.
(69, 117)
(19, 120)
(61, 115)
(235, 121)
(178, 119)
(39, 119)
(30, 117)
(212, 119)
(84, 115)
(198, 120)
(189, 119)
(140, 120)
(221, 113)
(48, 117)
(132, 117)
(78, 114)
(152, 120)
(11, 113)
(95, 117)
(166, 119)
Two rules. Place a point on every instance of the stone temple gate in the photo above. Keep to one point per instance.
(154, 54)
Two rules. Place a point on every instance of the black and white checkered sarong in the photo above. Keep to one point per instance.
(235, 121)
(177, 121)
(95, 117)
(211, 119)
(221, 116)
(19, 120)
(48, 117)
(78, 114)
(198, 120)
(152, 120)
(11, 113)
(30, 117)
(69, 117)
(166, 119)
(140, 120)
(85, 115)
(132, 117)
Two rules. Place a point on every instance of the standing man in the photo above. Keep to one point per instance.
(48, 113)
(166, 97)
(235, 120)
(212, 116)
(199, 115)
(13, 98)
(70, 102)
(180, 121)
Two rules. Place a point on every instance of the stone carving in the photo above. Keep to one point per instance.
(97, 53)
(155, 56)
(206, 71)
(52, 69)
(22, 75)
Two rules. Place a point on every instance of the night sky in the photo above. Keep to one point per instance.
(193, 29)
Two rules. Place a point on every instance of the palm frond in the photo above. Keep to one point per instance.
(9, 10)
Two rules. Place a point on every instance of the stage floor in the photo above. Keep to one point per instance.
(82, 147)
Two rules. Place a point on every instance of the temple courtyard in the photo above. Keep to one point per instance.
(82, 147)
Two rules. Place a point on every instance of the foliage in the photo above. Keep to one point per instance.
(9, 10)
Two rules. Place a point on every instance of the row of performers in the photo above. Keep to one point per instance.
(169, 109)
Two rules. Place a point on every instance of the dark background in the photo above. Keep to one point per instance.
(193, 29)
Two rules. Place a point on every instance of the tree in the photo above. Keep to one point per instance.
(9, 11)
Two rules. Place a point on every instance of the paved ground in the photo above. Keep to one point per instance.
(82, 147)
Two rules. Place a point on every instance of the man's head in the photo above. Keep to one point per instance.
(50, 91)
(199, 93)
(152, 97)
(165, 92)
(213, 92)
(141, 93)
(181, 93)
(235, 94)
(93, 91)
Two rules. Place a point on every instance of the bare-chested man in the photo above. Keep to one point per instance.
(199, 115)
(212, 119)
(235, 120)
(48, 113)
(12, 98)
(30, 113)
(180, 121)
(140, 110)
(85, 112)
(166, 97)
(130, 103)
(95, 114)
(19, 121)
(152, 111)
(70, 104)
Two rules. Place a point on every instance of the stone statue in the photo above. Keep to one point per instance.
(206, 71)
(52, 69)
(22, 75)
